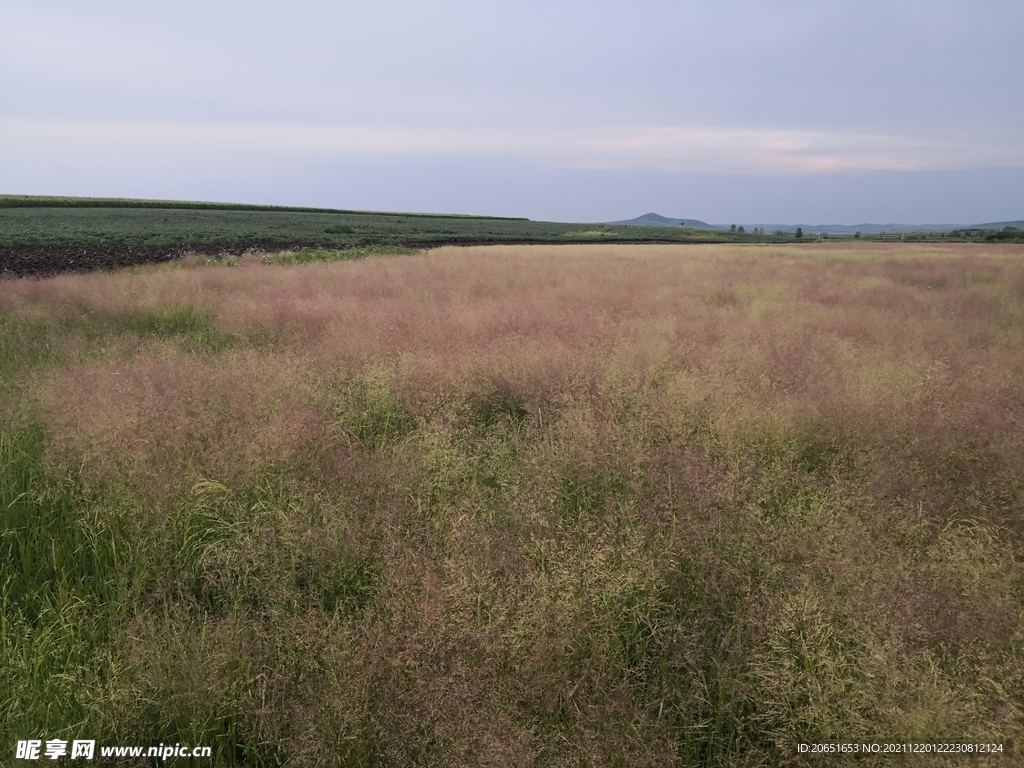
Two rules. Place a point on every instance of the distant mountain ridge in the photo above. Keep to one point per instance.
(998, 225)
(657, 220)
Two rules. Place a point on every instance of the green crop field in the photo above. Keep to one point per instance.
(517, 505)
(62, 221)
(42, 236)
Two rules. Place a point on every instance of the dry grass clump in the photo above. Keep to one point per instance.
(508, 505)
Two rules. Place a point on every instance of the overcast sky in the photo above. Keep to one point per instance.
(797, 112)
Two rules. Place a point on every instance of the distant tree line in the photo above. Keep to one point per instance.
(1007, 233)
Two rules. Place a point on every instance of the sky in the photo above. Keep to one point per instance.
(730, 112)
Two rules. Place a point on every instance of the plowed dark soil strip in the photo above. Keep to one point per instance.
(49, 260)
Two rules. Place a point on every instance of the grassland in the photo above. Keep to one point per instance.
(575, 505)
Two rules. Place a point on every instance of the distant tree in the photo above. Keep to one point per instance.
(856, 235)
(732, 228)
(799, 232)
(779, 233)
(741, 230)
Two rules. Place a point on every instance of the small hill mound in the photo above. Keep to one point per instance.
(657, 220)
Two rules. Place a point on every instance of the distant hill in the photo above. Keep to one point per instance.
(874, 229)
(998, 225)
(867, 229)
(656, 220)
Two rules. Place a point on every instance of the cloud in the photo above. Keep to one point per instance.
(669, 148)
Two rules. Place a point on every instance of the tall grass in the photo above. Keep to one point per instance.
(548, 506)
